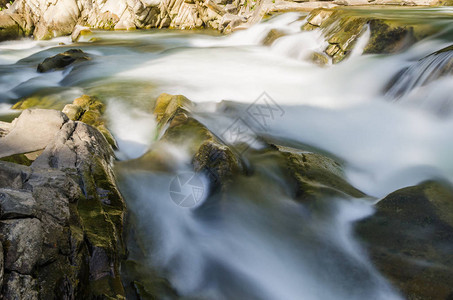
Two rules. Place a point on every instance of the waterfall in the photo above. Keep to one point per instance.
(421, 73)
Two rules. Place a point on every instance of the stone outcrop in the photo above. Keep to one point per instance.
(61, 217)
(410, 239)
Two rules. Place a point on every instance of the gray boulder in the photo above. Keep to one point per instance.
(33, 130)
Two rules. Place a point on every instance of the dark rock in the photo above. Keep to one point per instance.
(16, 204)
(19, 286)
(388, 37)
(410, 239)
(62, 60)
(12, 175)
(62, 218)
(22, 240)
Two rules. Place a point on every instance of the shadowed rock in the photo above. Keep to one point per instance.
(410, 239)
(62, 60)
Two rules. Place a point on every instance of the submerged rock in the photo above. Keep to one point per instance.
(314, 175)
(410, 239)
(62, 60)
(272, 36)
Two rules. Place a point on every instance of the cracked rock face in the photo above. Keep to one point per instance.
(60, 218)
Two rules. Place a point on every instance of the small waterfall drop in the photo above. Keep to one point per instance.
(421, 73)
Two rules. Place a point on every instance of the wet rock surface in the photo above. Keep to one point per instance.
(62, 60)
(61, 217)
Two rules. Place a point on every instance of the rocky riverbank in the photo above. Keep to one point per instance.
(46, 20)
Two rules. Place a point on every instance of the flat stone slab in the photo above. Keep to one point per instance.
(33, 130)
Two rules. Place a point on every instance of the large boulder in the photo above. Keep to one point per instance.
(410, 239)
(61, 218)
(33, 130)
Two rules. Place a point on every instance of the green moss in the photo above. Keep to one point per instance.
(48, 102)
(91, 117)
(167, 105)
(108, 287)
(9, 117)
(146, 283)
(389, 37)
(20, 159)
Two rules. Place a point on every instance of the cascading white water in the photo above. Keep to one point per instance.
(421, 73)
(260, 244)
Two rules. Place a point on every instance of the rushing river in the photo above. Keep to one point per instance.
(260, 244)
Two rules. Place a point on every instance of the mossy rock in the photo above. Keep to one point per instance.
(46, 102)
(389, 37)
(410, 239)
(146, 284)
(101, 218)
(73, 111)
(315, 175)
(167, 105)
(20, 159)
(91, 117)
(219, 162)
(90, 110)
